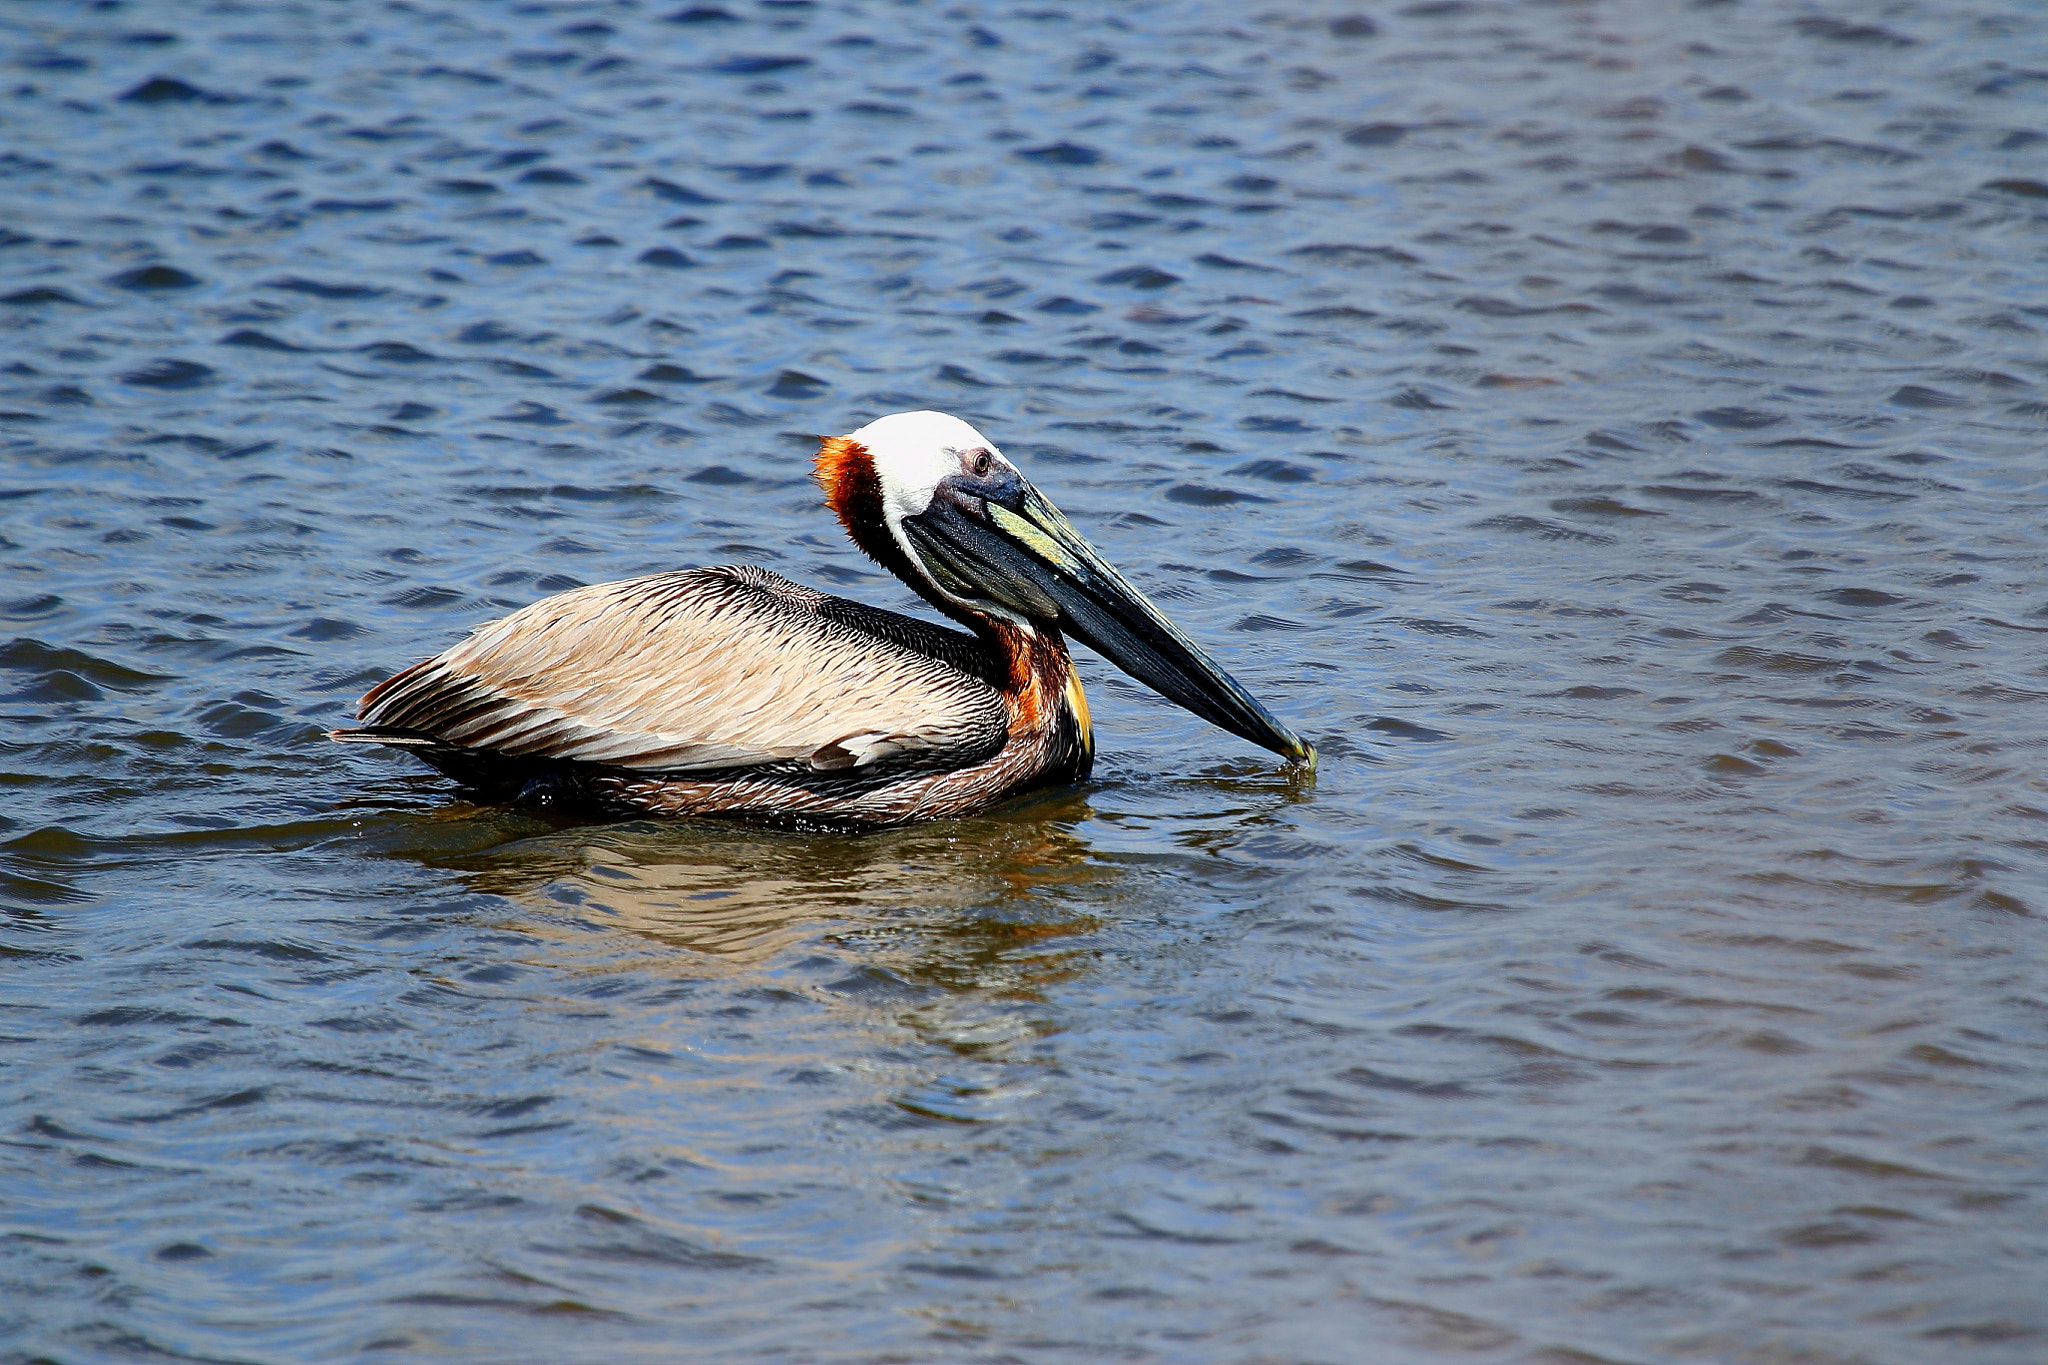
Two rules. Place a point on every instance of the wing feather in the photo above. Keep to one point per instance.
(702, 669)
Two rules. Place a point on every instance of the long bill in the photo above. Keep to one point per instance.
(1031, 560)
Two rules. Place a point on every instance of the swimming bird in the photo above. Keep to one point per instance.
(734, 692)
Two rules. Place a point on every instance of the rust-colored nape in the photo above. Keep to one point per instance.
(853, 490)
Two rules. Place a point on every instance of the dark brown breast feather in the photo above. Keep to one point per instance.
(703, 669)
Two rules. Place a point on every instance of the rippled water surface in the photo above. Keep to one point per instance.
(1614, 432)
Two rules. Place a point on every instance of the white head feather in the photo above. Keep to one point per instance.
(912, 452)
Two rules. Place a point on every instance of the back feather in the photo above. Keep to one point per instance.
(703, 669)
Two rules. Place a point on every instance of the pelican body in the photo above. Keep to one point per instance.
(734, 692)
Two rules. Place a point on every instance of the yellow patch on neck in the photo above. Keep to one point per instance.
(1077, 702)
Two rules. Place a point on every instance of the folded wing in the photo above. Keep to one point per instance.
(704, 669)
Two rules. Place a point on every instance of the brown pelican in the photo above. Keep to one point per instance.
(734, 692)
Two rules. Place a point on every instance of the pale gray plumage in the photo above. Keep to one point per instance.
(700, 670)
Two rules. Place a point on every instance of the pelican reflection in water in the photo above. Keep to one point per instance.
(932, 904)
(734, 692)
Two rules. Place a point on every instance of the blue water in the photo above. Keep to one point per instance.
(1611, 431)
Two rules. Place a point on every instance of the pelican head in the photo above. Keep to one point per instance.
(932, 500)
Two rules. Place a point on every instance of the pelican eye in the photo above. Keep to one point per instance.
(982, 462)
